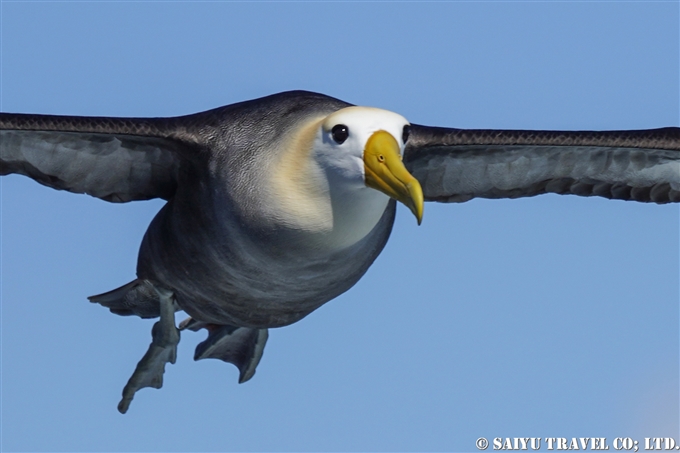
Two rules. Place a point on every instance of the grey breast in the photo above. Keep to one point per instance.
(227, 270)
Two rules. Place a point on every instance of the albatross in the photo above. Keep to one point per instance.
(277, 205)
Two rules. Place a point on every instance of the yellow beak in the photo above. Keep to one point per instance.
(385, 172)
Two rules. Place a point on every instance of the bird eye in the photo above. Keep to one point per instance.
(340, 132)
(405, 133)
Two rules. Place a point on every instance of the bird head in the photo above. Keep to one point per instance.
(363, 146)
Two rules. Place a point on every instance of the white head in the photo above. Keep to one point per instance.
(348, 167)
(360, 148)
(342, 137)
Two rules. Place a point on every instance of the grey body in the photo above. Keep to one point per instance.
(224, 270)
(222, 263)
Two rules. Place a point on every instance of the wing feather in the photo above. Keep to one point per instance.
(456, 165)
(115, 159)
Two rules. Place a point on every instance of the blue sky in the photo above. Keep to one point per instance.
(548, 316)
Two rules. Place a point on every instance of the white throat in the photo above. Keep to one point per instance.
(356, 211)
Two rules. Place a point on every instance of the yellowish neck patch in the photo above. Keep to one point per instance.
(299, 188)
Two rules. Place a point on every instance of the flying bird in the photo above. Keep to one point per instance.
(277, 205)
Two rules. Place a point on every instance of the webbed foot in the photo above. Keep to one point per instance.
(241, 346)
(162, 350)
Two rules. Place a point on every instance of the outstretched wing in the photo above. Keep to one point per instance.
(456, 165)
(115, 159)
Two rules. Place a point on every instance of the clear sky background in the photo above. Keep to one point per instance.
(547, 316)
